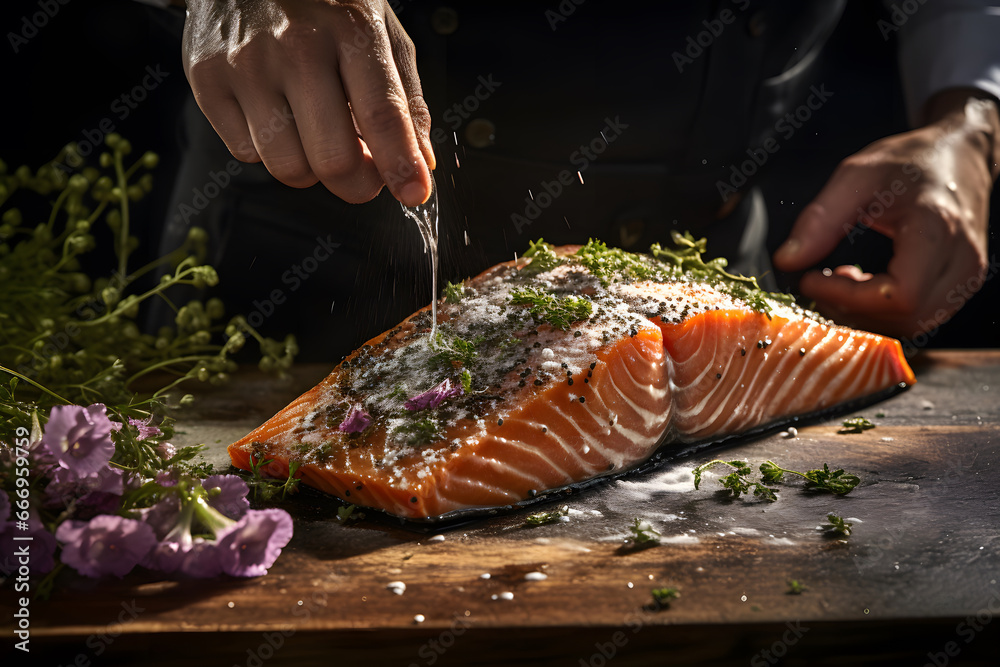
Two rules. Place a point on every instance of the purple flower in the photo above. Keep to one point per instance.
(106, 486)
(202, 559)
(162, 517)
(105, 545)
(251, 546)
(227, 494)
(41, 547)
(356, 421)
(434, 396)
(145, 430)
(79, 438)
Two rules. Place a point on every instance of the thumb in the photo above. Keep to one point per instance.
(825, 221)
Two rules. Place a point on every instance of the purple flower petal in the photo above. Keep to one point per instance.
(250, 547)
(166, 557)
(434, 396)
(162, 517)
(105, 545)
(227, 494)
(356, 421)
(202, 559)
(166, 450)
(79, 438)
(42, 547)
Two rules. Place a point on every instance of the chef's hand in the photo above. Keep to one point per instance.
(319, 90)
(928, 190)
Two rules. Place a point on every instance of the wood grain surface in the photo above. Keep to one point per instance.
(918, 581)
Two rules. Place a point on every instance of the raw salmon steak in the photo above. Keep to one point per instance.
(566, 365)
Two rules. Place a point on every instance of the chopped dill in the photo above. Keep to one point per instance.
(454, 349)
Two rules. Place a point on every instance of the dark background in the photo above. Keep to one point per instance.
(65, 79)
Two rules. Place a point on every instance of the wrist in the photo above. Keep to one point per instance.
(973, 114)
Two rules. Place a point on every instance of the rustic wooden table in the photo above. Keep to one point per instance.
(918, 581)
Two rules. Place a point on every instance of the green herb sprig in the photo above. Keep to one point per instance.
(454, 293)
(543, 518)
(643, 534)
(836, 524)
(822, 479)
(662, 597)
(559, 311)
(543, 258)
(856, 425)
(737, 482)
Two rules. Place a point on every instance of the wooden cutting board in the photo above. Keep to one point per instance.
(917, 582)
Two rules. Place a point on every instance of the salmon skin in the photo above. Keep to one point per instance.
(569, 364)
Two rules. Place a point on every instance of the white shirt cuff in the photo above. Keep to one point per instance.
(960, 48)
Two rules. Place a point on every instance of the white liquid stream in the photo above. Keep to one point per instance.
(426, 217)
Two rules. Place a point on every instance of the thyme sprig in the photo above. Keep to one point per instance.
(558, 311)
(739, 481)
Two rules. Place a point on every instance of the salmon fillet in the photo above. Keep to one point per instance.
(561, 367)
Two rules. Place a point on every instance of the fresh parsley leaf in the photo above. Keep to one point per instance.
(453, 293)
(836, 524)
(856, 425)
(795, 587)
(771, 473)
(662, 597)
(837, 481)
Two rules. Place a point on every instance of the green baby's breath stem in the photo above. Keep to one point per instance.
(56, 207)
(25, 378)
(123, 249)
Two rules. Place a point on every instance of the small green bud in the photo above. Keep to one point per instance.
(202, 374)
(266, 364)
(105, 160)
(23, 174)
(116, 194)
(42, 233)
(146, 182)
(110, 296)
(103, 183)
(12, 217)
(187, 399)
(78, 183)
(150, 160)
(112, 139)
(91, 174)
(124, 147)
(215, 308)
(135, 192)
